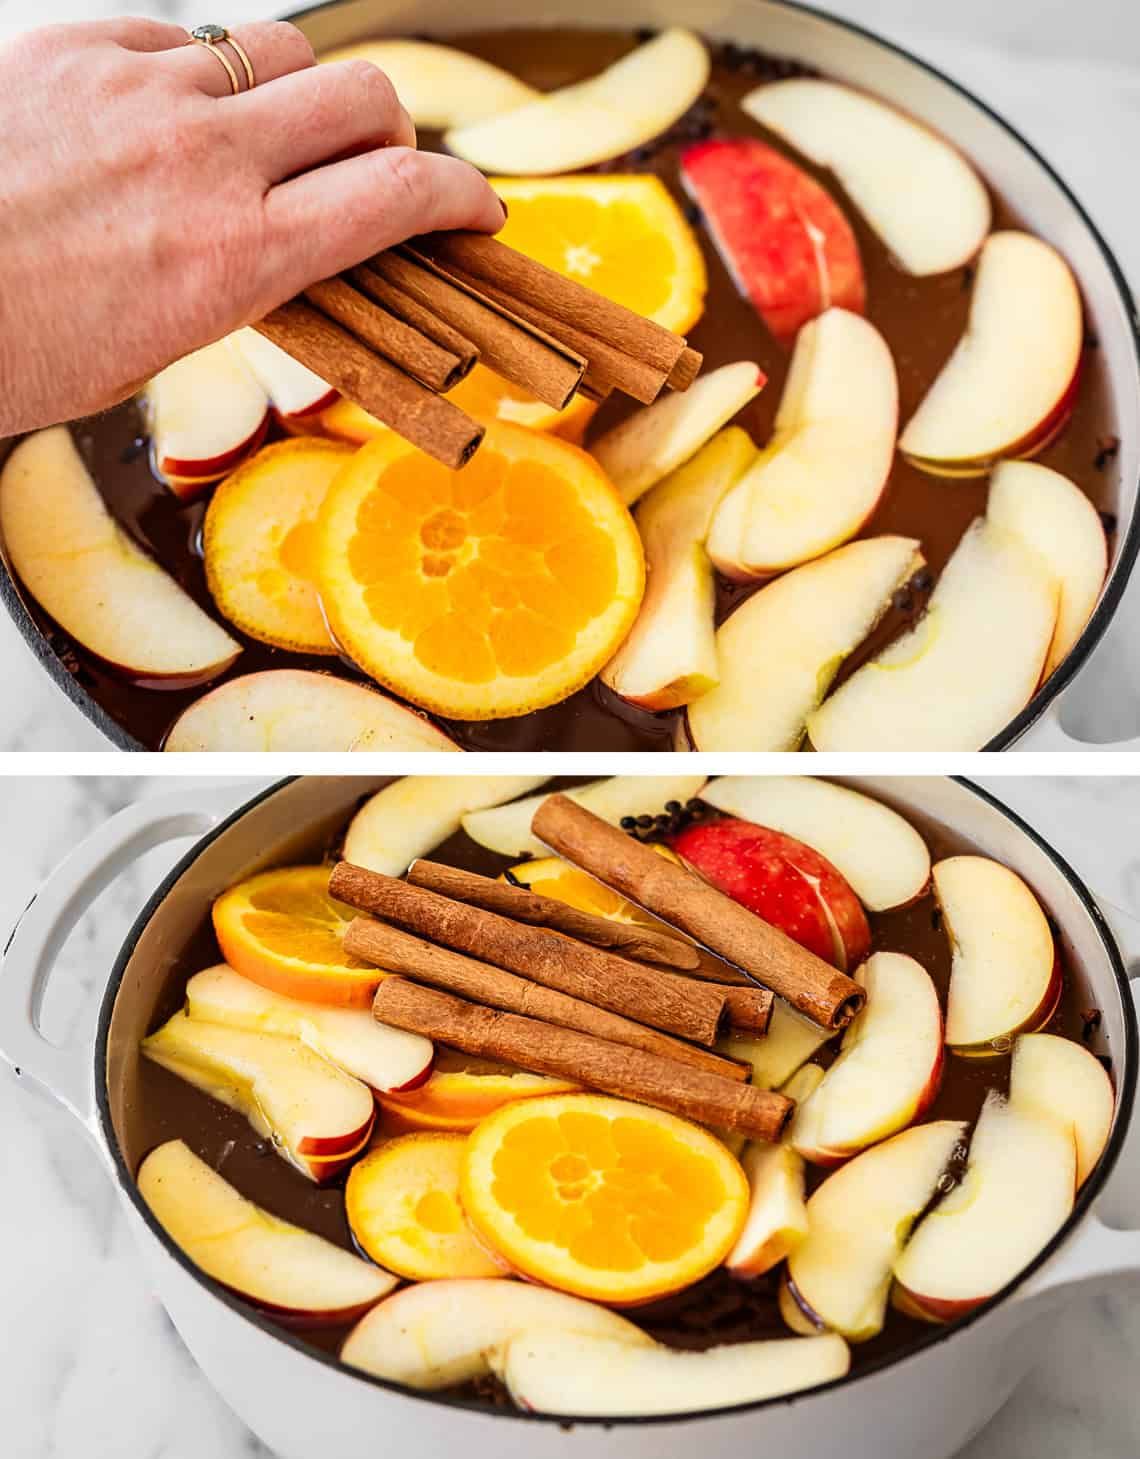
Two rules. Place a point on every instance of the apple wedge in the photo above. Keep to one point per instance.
(624, 107)
(1011, 382)
(388, 1060)
(440, 1334)
(824, 471)
(297, 709)
(968, 667)
(282, 1268)
(670, 657)
(1058, 1079)
(784, 882)
(889, 1067)
(571, 1373)
(839, 1276)
(1005, 976)
(293, 390)
(1016, 1194)
(1054, 517)
(881, 855)
(781, 649)
(413, 816)
(312, 1111)
(658, 439)
(506, 829)
(790, 1042)
(918, 193)
(206, 412)
(439, 86)
(83, 569)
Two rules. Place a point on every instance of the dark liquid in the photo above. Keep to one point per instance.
(718, 1310)
(921, 319)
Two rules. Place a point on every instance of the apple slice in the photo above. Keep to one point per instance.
(824, 471)
(386, 1059)
(1005, 976)
(781, 648)
(102, 589)
(1016, 1194)
(1054, 517)
(297, 709)
(658, 439)
(790, 1042)
(882, 856)
(839, 1276)
(414, 815)
(439, 86)
(569, 1373)
(970, 664)
(293, 390)
(441, 1334)
(1011, 382)
(782, 237)
(621, 109)
(669, 657)
(205, 413)
(784, 882)
(506, 829)
(280, 1267)
(918, 193)
(308, 1107)
(1060, 1080)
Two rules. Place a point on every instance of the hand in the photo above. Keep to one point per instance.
(146, 211)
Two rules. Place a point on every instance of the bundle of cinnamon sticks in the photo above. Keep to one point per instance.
(398, 332)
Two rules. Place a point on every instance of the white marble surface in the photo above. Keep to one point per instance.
(1068, 77)
(91, 1365)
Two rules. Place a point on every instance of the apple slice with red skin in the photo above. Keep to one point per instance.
(1016, 1193)
(889, 1067)
(782, 237)
(1005, 976)
(311, 1109)
(206, 413)
(388, 1060)
(441, 1334)
(293, 390)
(99, 586)
(784, 882)
(1061, 1080)
(285, 1270)
(839, 1276)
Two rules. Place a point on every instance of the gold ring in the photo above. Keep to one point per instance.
(213, 37)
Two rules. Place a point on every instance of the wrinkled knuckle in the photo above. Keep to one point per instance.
(370, 89)
(280, 39)
(409, 174)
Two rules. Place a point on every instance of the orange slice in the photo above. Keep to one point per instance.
(553, 877)
(483, 593)
(622, 236)
(603, 1198)
(282, 929)
(462, 1091)
(486, 396)
(259, 537)
(402, 1204)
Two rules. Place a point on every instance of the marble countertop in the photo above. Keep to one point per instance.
(89, 1343)
(1073, 90)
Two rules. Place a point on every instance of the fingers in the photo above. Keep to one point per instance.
(135, 33)
(318, 114)
(334, 217)
(274, 48)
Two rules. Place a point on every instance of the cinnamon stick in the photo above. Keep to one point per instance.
(507, 344)
(686, 370)
(643, 944)
(682, 1006)
(423, 962)
(404, 307)
(406, 347)
(749, 1009)
(544, 1048)
(409, 408)
(819, 991)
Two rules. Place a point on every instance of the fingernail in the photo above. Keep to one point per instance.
(506, 210)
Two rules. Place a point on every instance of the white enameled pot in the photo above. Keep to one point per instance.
(924, 1405)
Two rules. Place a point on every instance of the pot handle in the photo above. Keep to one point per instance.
(34, 943)
(1048, 735)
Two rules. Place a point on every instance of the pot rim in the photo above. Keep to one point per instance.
(1120, 575)
(1086, 1198)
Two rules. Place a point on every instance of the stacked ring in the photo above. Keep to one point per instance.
(213, 37)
